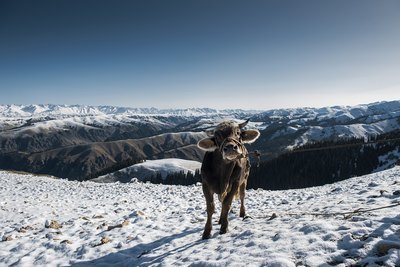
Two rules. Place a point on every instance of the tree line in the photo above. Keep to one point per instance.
(323, 162)
(177, 178)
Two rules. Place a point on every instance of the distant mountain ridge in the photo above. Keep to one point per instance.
(349, 112)
(35, 110)
(39, 137)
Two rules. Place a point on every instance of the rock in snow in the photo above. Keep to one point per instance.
(162, 225)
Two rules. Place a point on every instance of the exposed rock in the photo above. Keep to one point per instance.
(119, 210)
(52, 224)
(102, 226)
(273, 216)
(105, 240)
(7, 238)
(124, 223)
(384, 246)
(24, 229)
(138, 213)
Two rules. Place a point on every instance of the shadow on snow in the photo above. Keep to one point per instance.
(148, 253)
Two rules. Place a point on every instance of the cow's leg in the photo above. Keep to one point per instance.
(242, 192)
(226, 206)
(221, 199)
(208, 194)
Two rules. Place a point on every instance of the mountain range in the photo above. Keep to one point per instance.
(83, 142)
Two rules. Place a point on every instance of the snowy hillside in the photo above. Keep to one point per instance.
(333, 122)
(51, 222)
(150, 169)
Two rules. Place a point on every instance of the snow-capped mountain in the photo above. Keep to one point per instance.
(55, 222)
(98, 139)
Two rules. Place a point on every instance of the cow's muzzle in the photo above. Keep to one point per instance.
(231, 149)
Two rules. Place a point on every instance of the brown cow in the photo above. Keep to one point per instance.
(225, 169)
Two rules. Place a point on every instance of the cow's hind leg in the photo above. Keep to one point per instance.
(242, 192)
(208, 194)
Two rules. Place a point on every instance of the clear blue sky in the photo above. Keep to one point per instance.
(179, 54)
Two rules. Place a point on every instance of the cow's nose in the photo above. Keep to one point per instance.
(230, 147)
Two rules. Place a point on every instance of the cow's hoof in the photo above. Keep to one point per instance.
(247, 217)
(222, 231)
(206, 236)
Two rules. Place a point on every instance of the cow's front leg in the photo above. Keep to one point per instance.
(208, 194)
(226, 206)
(242, 192)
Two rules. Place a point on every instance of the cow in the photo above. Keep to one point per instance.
(225, 169)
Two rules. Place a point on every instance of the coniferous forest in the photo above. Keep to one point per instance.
(313, 164)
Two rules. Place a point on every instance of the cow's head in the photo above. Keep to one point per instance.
(229, 138)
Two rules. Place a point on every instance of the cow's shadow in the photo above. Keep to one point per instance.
(147, 253)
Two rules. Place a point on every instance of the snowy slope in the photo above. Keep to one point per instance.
(151, 168)
(151, 225)
(330, 123)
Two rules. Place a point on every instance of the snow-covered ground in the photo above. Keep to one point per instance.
(51, 222)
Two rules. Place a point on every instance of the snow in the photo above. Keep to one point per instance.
(318, 133)
(140, 224)
(388, 160)
(151, 168)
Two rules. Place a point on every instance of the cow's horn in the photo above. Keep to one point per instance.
(241, 125)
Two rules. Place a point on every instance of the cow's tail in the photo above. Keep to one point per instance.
(222, 196)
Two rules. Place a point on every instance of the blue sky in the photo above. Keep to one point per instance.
(180, 54)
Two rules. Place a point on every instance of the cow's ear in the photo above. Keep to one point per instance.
(249, 136)
(207, 144)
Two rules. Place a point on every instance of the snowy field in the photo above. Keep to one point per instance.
(50, 222)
